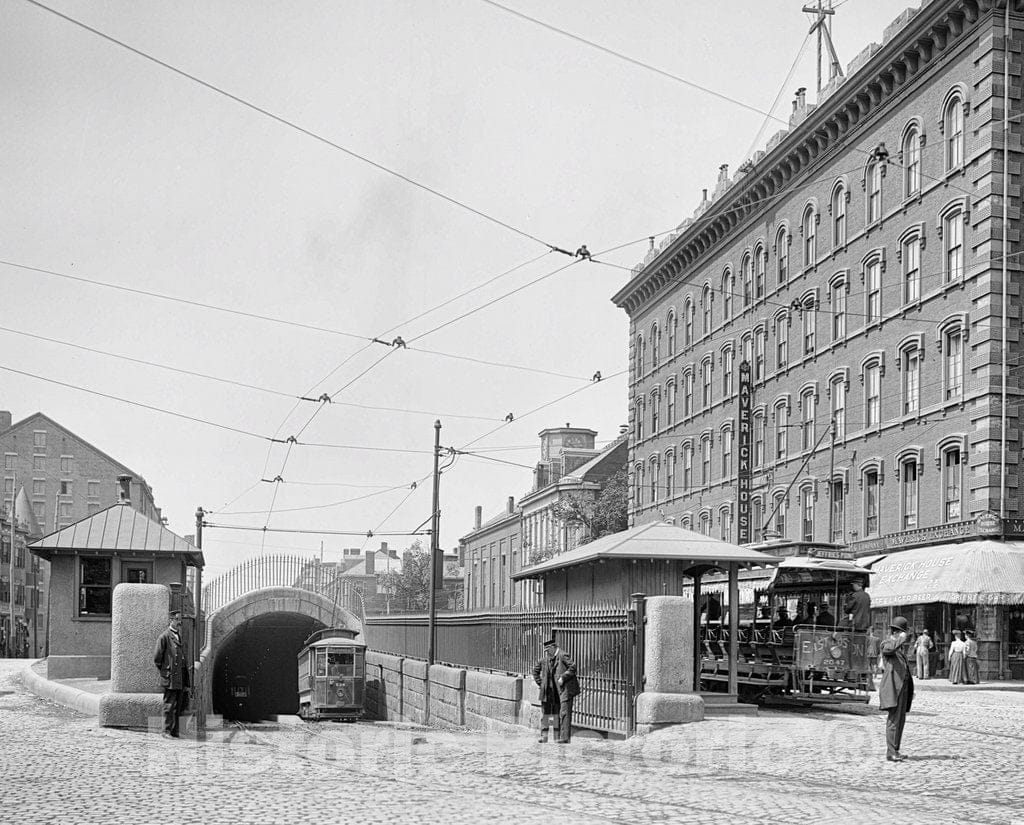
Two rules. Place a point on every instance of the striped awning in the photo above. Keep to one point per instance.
(974, 572)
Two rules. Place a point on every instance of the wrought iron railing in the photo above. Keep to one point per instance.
(305, 573)
(602, 640)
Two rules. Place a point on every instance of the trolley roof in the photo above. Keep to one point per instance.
(809, 573)
(332, 636)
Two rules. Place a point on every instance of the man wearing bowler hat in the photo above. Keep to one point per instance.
(555, 675)
(169, 657)
(896, 692)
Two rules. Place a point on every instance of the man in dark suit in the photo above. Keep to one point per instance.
(896, 692)
(169, 658)
(555, 675)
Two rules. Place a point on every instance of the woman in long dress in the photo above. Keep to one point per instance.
(957, 668)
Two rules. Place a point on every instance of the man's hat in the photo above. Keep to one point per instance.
(550, 642)
(899, 623)
(174, 614)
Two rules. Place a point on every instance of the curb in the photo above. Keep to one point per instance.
(69, 697)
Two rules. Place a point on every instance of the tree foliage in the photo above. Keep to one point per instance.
(409, 588)
(600, 516)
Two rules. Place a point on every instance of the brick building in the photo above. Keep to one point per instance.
(65, 476)
(23, 581)
(570, 465)
(858, 267)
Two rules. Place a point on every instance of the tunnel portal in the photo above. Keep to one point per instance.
(255, 674)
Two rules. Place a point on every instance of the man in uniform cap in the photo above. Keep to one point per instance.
(169, 658)
(555, 675)
(896, 692)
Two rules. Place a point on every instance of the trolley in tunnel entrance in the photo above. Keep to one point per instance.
(332, 676)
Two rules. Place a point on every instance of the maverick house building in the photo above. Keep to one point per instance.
(863, 269)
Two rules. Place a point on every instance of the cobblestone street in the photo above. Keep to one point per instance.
(799, 766)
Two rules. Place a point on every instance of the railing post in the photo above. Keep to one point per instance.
(637, 632)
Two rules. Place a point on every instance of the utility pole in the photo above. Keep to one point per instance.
(435, 524)
(199, 696)
(11, 640)
(822, 26)
(831, 471)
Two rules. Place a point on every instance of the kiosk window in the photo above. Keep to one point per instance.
(94, 587)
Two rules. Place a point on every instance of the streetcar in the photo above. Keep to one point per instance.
(803, 662)
(332, 675)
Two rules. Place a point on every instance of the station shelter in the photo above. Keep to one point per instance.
(88, 559)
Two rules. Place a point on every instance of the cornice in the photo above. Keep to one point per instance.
(934, 31)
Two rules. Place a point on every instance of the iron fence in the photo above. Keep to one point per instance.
(303, 572)
(605, 641)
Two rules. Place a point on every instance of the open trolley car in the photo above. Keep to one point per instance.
(803, 663)
(332, 675)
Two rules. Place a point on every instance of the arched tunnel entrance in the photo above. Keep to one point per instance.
(255, 675)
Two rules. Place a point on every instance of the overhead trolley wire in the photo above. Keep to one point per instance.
(290, 124)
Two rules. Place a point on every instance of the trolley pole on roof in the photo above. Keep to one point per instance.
(435, 523)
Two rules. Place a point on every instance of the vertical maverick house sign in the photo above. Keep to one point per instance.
(743, 446)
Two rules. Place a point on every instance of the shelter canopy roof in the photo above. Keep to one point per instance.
(119, 528)
(656, 541)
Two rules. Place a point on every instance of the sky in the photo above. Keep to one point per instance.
(318, 212)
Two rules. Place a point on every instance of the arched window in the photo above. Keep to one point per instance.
(807, 512)
(839, 215)
(639, 356)
(808, 436)
(872, 377)
(953, 129)
(728, 286)
(756, 519)
(670, 402)
(728, 359)
(909, 467)
(726, 451)
(671, 325)
(688, 322)
(953, 243)
(670, 474)
(705, 459)
(654, 478)
(760, 344)
(705, 306)
(779, 505)
(809, 227)
(638, 486)
(781, 430)
(725, 522)
(951, 462)
(688, 392)
(837, 305)
(781, 341)
(759, 264)
(872, 502)
(837, 501)
(872, 289)
(704, 523)
(910, 355)
(910, 261)
(809, 322)
(638, 419)
(873, 184)
(759, 437)
(687, 466)
(911, 161)
(747, 271)
(837, 400)
(655, 411)
(705, 382)
(655, 346)
(951, 340)
(782, 255)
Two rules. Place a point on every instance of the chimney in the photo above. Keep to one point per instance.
(5, 420)
(651, 239)
(567, 425)
(510, 508)
(703, 195)
(801, 95)
(478, 517)
(623, 429)
(369, 562)
(384, 548)
(126, 488)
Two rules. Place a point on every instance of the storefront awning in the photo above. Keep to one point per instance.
(974, 572)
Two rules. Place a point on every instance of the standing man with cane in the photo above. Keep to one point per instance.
(169, 658)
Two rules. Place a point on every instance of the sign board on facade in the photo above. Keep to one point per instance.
(743, 442)
(830, 551)
(987, 524)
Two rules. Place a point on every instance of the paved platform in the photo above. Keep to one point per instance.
(965, 749)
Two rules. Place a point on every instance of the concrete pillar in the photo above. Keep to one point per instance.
(668, 697)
